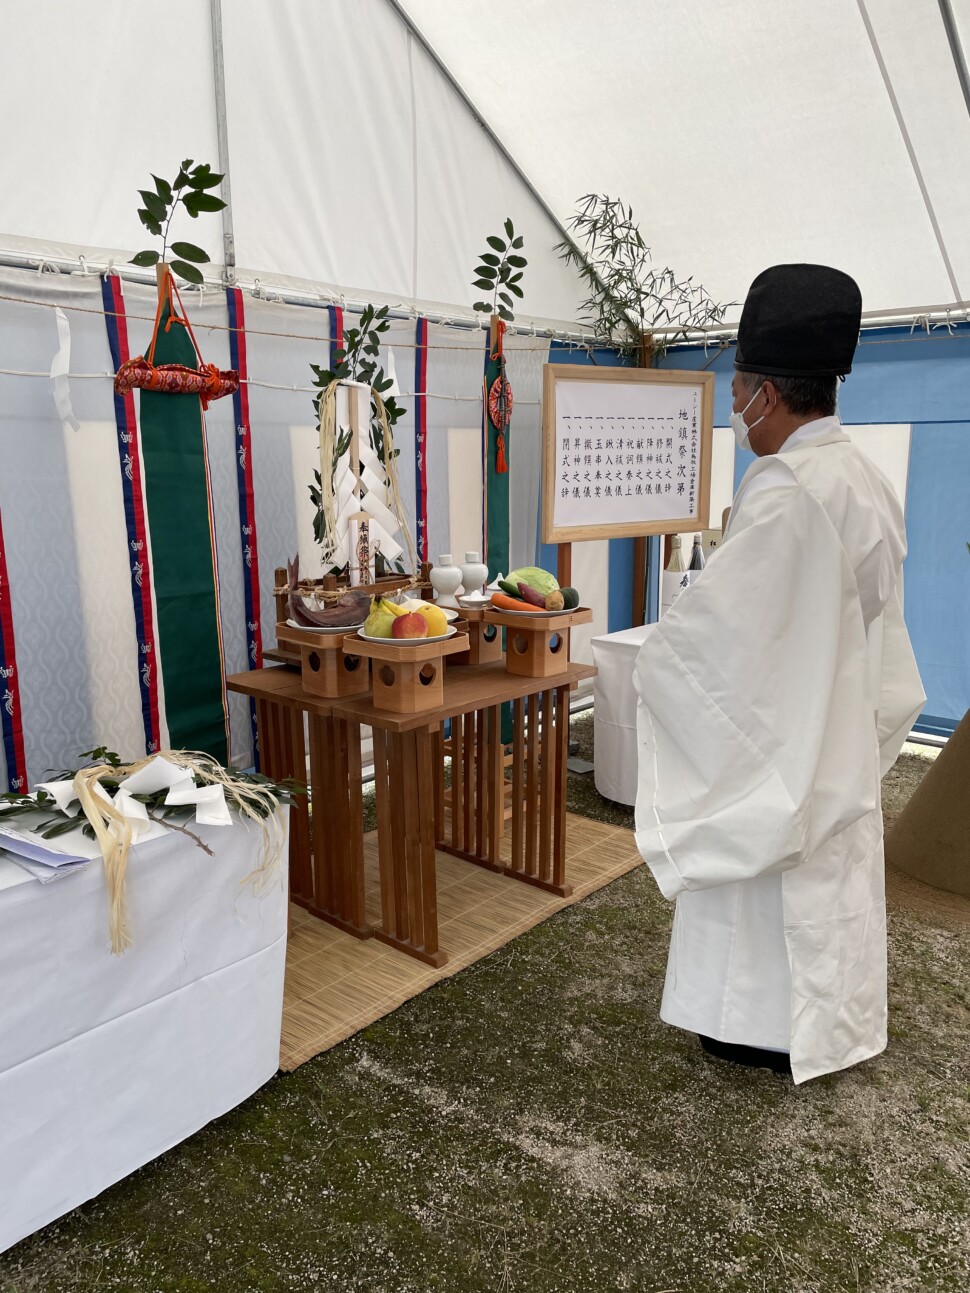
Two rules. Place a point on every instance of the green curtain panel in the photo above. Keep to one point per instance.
(183, 563)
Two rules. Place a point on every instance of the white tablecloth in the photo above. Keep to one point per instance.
(107, 1061)
(615, 714)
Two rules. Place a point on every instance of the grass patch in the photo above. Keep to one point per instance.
(531, 1125)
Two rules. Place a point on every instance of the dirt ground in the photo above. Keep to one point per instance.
(532, 1125)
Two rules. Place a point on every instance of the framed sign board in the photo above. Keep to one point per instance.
(626, 452)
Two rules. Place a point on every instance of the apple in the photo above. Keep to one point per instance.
(411, 625)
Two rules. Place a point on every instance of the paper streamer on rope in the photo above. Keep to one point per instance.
(139, 558)
(11, 723)
(421, 438)
(247, 506)
(60, 367)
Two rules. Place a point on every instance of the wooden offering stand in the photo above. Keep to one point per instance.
(484, 639)
(329, 662)
(537, 646)
(408, 676)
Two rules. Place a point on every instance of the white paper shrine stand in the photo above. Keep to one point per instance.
(107, 1061)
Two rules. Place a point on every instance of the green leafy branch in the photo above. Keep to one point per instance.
(500, 272)
(627, 295)
(188, 190)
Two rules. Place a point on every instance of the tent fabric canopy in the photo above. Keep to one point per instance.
(743, 133)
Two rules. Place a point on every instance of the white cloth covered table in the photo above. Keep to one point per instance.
(107, 1061)
(615, 714)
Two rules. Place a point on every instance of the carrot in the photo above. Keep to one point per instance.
(502, 603)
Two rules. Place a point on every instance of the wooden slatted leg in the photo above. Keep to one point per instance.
(539, 763)
(532, 787)
(559, 797)
(496, 784)
(457, 782)
(357, 911)
(338, 850)
(518, 781)
(477, 788)
(283, 753)
(439, 785)
(385, 847)
(481, 783)
(547, 785)
(409, 845)
(468, 773)
(301, 860)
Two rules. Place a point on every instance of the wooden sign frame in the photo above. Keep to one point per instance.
(556, 373)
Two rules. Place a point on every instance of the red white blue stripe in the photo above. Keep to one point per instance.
(421, 439)
(139, 557)
(11, 723)
(244, 481)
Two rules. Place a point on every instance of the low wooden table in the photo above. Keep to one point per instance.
(327, 853)
(327, 874)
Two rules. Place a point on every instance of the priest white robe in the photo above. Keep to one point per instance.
(773, 696)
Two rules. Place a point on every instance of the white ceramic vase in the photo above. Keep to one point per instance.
(474, 572)
(446, 580)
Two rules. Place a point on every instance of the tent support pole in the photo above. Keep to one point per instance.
(956, 49)
(222, 133)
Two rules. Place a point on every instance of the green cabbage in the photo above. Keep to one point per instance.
(540, 580)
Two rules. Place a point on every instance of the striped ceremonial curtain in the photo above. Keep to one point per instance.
(495, 473)
(176, 557)
(132, 475)
(10, 712)
(421, 440)
(249, 546)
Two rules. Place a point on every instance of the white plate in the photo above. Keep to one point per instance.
(326, 628)
(440, 637)
(536, 614)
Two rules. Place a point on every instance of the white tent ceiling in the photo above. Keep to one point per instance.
(744, 132)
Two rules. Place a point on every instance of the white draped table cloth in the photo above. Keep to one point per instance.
(615, 714)
(107, 1061)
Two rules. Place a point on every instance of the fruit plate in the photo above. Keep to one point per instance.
(405, 642)
(326, 628)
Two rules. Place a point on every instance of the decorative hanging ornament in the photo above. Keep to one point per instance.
(500, 403)
(207, 381)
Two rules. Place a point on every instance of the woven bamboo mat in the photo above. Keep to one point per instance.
(336, 984)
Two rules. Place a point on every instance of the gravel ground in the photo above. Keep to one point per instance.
(531, 1125)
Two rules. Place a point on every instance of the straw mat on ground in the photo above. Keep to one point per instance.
(336, 984)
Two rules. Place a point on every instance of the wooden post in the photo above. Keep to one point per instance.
(281, 579)
(564, 565)
(639, 580)
(644, 360)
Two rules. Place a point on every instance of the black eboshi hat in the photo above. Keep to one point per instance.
(799, 321)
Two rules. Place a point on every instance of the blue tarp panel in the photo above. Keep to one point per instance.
(922, 380)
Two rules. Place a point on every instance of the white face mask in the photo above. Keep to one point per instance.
(742, 431)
